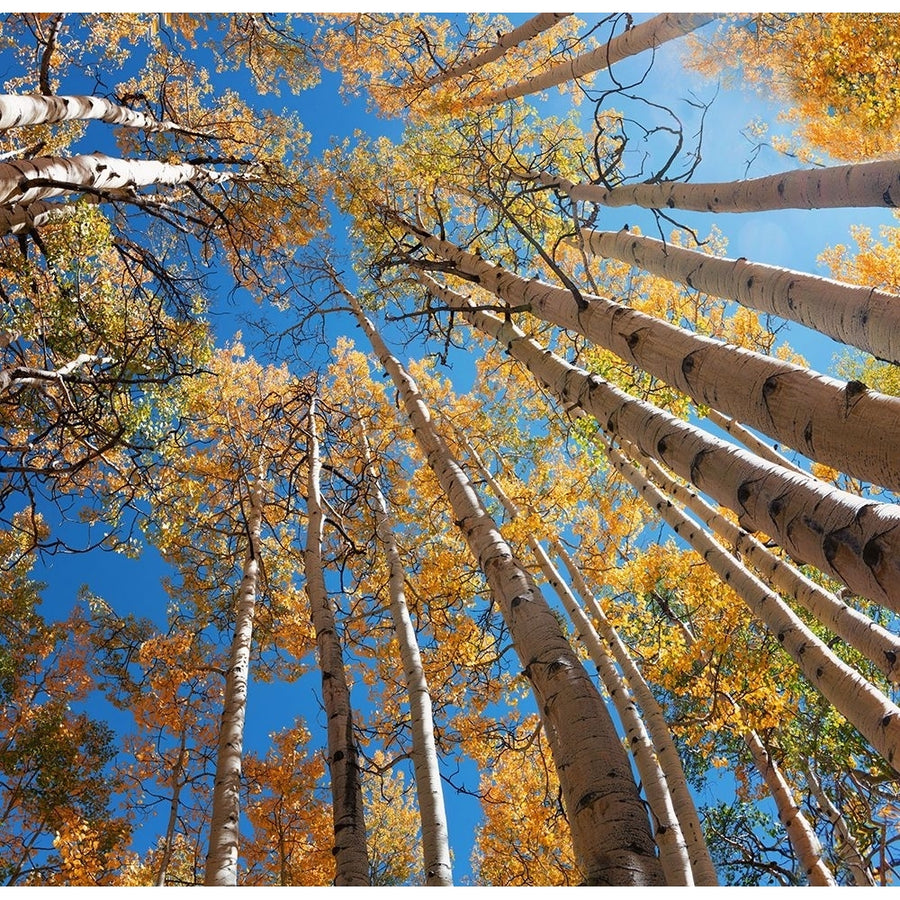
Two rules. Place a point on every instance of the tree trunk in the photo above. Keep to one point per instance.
(751, 441)
(26, 180)
(430, 795)
(177, 784)
(702, 866)
(858, 630)
(525, 32)
(17, 110)
(846, 846)
(873, 715)
(871, 184)
(647, 36)
(673, 855)
(610, 831)
(350, 850)
(221, 861)
(852, 314)
(850, 538)
(842, 424)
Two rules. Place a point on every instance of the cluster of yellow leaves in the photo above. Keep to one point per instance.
(837, 70)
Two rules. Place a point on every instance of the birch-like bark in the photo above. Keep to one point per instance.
(429, 793)
(846, 845)
(221, 861)
(609, 826)
(850, 538)
(17, 110)
(525, 32)
(858, 630)
(20, 219)
(350, 849)
(800, 833)
(702, 866)
(26, 180)
(873, 715)
(751, 441)
(842, 424)
(647, 36)
(870, 184)
(862, 317)
(673, 855)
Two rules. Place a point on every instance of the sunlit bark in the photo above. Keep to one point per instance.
(860, 316)
(850, 538)
(429, 793)
(842, 424)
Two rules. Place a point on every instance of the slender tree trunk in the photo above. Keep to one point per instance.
(221, 861)
(26, 180)
(701, 862)
(525, 32)
(751, 441)
(846, 845)
(430, 795)
(852, 314)
(870, 184)
(850, 538)
(17, 110)
(800, 833)
(878, 644)
(350, 850)
(609, 826)
(177, 784)
(647, 36)
(842, 424)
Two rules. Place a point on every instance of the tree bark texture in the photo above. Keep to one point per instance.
(862, 317)
(842, 424)
(610, 831)
(350, 849)
(870, 184)
(850, 538)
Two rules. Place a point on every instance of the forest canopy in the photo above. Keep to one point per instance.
(449, 449)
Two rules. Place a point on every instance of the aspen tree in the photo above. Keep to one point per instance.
(614, 847)
(435, 835)
(639, 39)
(852, 314)
(350, 849)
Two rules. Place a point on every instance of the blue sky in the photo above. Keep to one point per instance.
(792, 238)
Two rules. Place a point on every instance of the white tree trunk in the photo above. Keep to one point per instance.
(647, 36)
(24, 181)
(17, 110)
(839, 423)
(350, 849)
(525, 32)
(850, 538)
(610, 831)
(871, 184)
(429, 793)
(800, 833)
(221, 861)
(860, 316)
